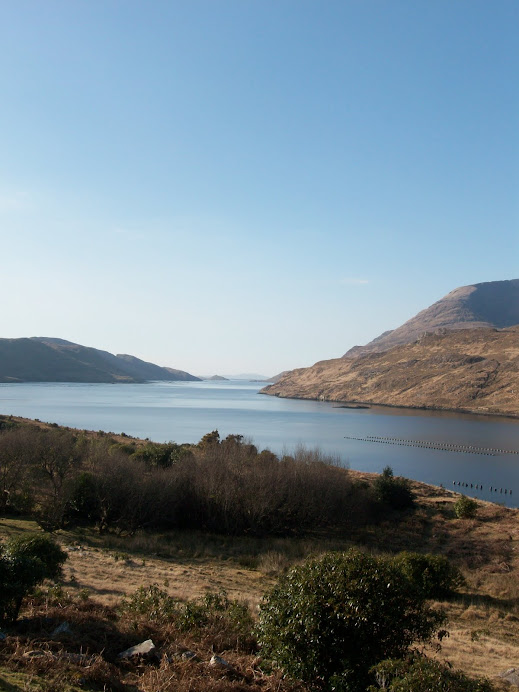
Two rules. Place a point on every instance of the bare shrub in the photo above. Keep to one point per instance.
(16, 463)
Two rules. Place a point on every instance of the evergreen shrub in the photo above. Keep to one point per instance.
(328, 621)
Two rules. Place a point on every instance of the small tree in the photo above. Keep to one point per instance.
(465, 507)
(330, 620)
(393, 492)
(25, 562)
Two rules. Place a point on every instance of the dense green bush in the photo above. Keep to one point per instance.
(26, 561)
(420, 674)
(330, 620)
(393, 492)
(465, 507)
(151, 602)
(434, 575)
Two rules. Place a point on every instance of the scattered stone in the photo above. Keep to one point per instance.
(188, 655)
(512, 676)
(219, 661)
(146, 648)
(64, 628)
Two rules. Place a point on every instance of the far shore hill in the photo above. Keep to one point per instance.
(48, 359)
(461, 354)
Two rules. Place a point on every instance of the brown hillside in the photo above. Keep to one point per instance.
(489, 304)
(471, 369)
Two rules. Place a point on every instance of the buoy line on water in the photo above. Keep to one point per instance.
(441, 446)
(444, 447)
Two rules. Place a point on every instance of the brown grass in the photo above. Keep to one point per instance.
(483, 621)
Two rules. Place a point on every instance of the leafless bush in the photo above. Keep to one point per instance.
(224, 486)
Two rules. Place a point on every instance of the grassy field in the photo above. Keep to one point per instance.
(100, 570)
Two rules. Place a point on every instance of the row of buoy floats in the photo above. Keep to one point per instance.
(478, 486)
(442, 446)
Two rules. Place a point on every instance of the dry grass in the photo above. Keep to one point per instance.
(108, 576)
(483, 640)
(483, 621)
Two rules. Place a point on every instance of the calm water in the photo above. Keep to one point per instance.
(184, 411)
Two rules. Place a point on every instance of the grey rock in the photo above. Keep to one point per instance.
(512, 676)
(184, 656)
(219, 661)
(188, 655)
(145, 648)
(64, 628)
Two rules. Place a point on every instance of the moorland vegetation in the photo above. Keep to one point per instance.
(349, 621)
(64, 477)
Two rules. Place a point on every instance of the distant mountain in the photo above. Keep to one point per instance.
(181, 375)
(460, 353)
(48, 359)
(217, 378)
(490, 304)
(465, 369)
(140, 369)
(250, 376)
(276, 378)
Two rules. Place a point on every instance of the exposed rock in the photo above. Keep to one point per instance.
(512, 676)
(221, 662)
(185, 656)
(64, 628)
(188, 655)
(146, 648)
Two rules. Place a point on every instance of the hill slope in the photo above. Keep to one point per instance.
(471, 369)
(490, 304)
(45, 359)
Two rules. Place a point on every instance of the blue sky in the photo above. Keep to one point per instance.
(251, 185)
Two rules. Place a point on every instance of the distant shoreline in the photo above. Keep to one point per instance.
(362, 405)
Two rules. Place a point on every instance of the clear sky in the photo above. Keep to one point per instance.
(251, 185)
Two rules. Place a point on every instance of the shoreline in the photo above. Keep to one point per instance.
(138, 441)
(359, 405)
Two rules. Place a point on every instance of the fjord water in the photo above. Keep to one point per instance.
(185, 411)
